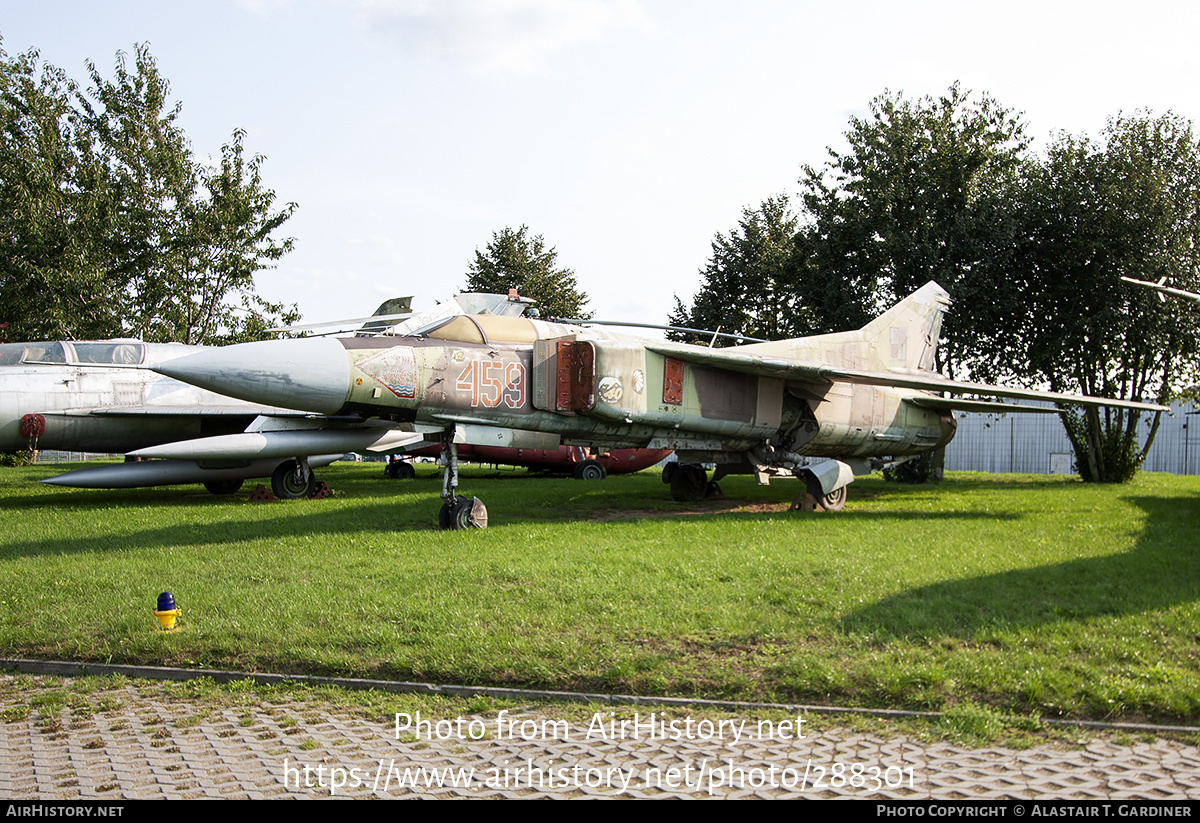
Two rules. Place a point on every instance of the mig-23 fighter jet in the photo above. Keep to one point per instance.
(820, 409)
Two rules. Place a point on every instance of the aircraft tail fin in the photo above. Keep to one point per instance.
(902, 338)
(906, 335)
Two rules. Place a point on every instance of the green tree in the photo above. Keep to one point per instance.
(748, 284)
(515, 260)
(109, 226)
(1090, 212)
(184, 241)
(231, 229)
(152, 178)
(52, 196)
(920, 194)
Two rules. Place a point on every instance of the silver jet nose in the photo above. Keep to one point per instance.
(310, 374)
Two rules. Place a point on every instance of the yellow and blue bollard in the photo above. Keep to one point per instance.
(167, 611)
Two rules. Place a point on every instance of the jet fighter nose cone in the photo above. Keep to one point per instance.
(311, 374)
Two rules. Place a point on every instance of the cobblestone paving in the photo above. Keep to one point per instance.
(136, 746)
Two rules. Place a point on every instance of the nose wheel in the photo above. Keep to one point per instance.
(464, 513)
(815, 499)
(457, 512)
(293, 479)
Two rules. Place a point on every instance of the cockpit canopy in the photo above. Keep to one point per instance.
(79, 353)
(481, 328)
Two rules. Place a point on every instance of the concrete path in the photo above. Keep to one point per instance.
(131, 742)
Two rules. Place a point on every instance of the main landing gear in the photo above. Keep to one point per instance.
(590, 470)
(399, 470)
(222, 487)
(457, 512)
(689, 482)
(815, 498)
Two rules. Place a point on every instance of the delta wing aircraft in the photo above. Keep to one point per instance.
(92, 396)
(820, 408)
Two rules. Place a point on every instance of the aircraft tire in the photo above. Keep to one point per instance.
(222, 487)
(590, 470)
(668, 472)
(287, 486)
(835, 501)
(473, 515)
(399, 470)
(466, 513)
(689, 483)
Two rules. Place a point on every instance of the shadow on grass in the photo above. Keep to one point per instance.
(1162, 570)
(407, 511)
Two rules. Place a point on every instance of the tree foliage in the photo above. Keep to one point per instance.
(232, 232)
(115, 228)
(919, 195)
(1090, 212)
(1031, 250)
(748, 285)
(52, 196)
(516, 260)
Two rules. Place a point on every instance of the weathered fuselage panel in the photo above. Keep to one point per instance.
(616, 392)
(869, 421)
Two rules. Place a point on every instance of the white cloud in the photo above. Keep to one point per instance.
(507, 36)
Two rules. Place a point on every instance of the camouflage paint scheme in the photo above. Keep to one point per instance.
(594, 388)
(624, 398)
(820, 408)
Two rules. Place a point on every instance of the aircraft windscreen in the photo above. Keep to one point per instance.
(13, 354)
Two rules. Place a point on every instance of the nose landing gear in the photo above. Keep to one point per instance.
(457, 512)
(293, 480)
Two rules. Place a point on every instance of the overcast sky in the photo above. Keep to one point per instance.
(627, 132)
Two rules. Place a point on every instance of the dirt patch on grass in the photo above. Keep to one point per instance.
(721, 506)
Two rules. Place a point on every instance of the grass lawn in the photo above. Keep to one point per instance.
(1031, 594)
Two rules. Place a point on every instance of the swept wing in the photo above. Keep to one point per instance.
(736, 359)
